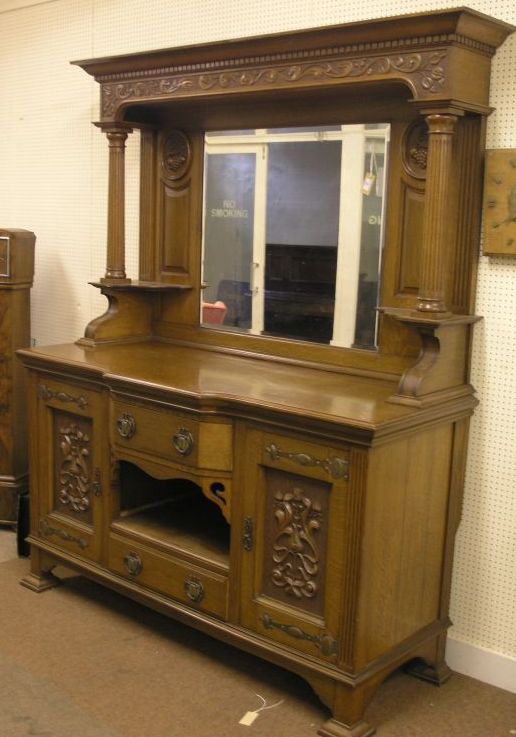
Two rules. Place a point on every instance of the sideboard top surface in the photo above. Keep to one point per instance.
(210, 381)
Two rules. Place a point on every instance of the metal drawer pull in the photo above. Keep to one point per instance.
(183, 441)
(325, 642)
(126, 426)
(47, 530)
(337, 468)
(133, 563)
(46, 393)
(194, 589)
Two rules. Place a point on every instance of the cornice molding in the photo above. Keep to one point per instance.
(401, 44)
(439, 56)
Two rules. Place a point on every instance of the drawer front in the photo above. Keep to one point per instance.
(176, 436)
(186, 583)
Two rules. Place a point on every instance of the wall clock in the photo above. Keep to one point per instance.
(500, 202)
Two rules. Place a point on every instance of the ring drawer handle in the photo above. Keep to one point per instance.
(133, 563)
(126, 426)
(183, 441)
(194, 589)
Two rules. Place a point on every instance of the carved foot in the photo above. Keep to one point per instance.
(347, 706)
(437, 673)
(334, 728)
(40, 582)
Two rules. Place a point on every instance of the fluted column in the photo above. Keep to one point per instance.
(437, 214)
(115, 257)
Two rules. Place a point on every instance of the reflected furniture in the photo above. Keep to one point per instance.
(300, 291)
(16, 274)
(295, 499)
(213, 312)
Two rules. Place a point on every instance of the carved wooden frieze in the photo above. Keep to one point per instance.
(424, 71)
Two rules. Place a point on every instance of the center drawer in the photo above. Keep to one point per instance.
(185, 582)
(177, 436)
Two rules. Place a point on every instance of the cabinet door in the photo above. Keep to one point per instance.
(295, 542)
(68, 462)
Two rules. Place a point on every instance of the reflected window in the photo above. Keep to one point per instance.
(292, 232)
(228, 235)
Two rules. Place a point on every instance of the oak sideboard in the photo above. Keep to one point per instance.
(291, 484)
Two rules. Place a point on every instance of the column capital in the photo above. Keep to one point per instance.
(114, 127)
(441, 123)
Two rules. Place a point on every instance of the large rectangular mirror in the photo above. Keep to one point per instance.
(293, 232)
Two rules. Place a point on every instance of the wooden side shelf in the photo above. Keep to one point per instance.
(141, 286)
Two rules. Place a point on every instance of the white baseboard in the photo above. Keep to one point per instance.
(482, 664)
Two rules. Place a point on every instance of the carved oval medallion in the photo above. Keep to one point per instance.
(176, 155)
(415, 149)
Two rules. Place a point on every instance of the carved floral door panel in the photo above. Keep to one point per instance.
(70, 462)
(294, 526)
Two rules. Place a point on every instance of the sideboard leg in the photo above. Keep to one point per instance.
(40, 578)
(347, 705)
(431, 665)
(436, 673)
(334, 728)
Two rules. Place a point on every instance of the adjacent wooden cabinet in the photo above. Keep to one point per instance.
(16, 274)
(296, 498)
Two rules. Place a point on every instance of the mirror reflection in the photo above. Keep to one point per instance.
(293, 230)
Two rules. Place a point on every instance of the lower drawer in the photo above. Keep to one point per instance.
(189, 584)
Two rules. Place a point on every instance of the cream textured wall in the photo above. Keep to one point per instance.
(53, 181)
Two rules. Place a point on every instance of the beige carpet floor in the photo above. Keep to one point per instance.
(81, 661)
